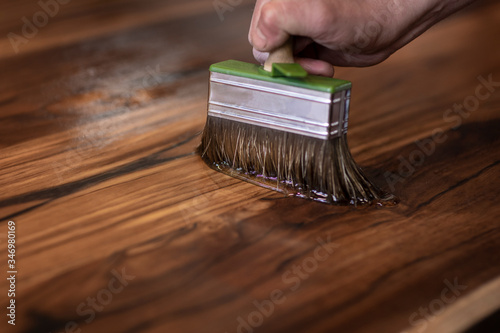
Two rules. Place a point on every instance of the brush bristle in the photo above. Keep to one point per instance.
(313, 168)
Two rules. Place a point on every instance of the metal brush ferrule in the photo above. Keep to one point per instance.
(279, 106)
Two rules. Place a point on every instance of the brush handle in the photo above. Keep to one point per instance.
(281, 55)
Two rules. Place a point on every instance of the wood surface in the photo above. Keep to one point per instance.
(100, 114)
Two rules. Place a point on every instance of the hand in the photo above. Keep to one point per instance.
(343, 32)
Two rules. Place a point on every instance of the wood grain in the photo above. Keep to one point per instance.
(100, 114)
(468, 310)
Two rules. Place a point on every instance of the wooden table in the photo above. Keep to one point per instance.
(120, 227)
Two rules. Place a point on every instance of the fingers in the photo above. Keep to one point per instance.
(266, 33)
(255, 17)
(300, 44)
(316, 67)
(312, 66)
(275, 20)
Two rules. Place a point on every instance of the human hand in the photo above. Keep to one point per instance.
(343, 33)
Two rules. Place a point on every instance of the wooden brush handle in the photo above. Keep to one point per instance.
(283, 55)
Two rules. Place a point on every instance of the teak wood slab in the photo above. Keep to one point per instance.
(120, 227)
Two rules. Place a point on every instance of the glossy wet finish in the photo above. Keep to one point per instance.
(100, 116)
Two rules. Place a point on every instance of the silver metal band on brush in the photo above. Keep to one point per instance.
(292, 109)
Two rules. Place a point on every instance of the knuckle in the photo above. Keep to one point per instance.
(270, 14)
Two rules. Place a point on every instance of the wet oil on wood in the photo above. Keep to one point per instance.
(121, 227)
